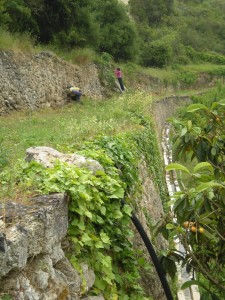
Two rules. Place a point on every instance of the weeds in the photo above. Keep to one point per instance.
(80, 56)
(3, 155)
(16, 42)
(71, 124)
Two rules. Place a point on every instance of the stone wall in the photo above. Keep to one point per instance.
(39, 80)
(149, 211)
(32, 81)
(166, 108)
(33, 265)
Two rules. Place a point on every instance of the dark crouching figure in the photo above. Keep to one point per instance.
(74, 93)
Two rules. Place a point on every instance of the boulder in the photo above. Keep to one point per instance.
(47, 156)
(32, 262)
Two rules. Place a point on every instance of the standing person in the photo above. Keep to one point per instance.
(118, 74)
(74, 93)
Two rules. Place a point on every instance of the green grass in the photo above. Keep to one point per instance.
(207, 67)
(71, 124)
(16, 42)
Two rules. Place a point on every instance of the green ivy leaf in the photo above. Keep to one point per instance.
(100, 284)
(103, 210)
(127, 209)
(117, 214)
(104, 237)
(118, 193)
(88, 214)
(99, 245)
(86, 239)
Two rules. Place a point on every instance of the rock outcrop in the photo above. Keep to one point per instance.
(33, 265)
(47, 156)
(29, 82)
(32, 262)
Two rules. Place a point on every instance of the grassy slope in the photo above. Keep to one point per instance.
(71, 124)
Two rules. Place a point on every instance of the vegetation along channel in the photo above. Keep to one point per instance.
(112, 145)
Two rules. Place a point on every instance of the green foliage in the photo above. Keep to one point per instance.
(99, 230)
(157, 54)
(210, 20)
(6, 297)
(200, 203)
(3, 155)
(123, 155)
(19, 17)
(15, 41)
(101, 25)
(188, 78)
(118, 34)
(212, 57)
(150, 11)
(158, 33)
(105, 64)
(147, 144)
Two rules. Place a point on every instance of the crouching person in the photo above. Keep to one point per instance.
(74, 93)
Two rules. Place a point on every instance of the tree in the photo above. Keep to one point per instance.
(118, 35)
(19, 17)
(150, 11)
(67, 18)
(199, 206)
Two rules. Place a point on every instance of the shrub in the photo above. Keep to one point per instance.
(188, 78)
(159, 52)
(212, 57)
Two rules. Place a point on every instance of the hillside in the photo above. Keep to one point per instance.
(65, 233)
(148, 32)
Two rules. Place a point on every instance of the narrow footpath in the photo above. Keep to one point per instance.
(192, 292)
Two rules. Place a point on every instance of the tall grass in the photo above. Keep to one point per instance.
(71, 124)
(16, 42)
(64, 129)
(80, 56)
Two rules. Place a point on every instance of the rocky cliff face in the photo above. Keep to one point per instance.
(40, 80)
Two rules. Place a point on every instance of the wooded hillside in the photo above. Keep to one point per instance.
(149, 32)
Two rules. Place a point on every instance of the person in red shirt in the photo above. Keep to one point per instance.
(118, 74)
